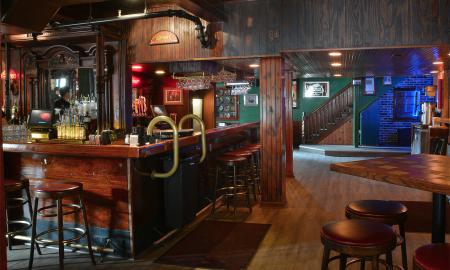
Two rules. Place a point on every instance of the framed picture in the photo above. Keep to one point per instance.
(316, 89)
(173, 96)
(251, 100)
(369, 86)
(294, 94)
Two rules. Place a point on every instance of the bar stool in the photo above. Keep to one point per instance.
(387, 212)
(248, 172)
(432, 257)
(15, 201)
(234, 185)
(58, 191)
(357, 239)
(256, 161)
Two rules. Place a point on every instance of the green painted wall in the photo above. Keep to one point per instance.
(308, 105)
(248, 113)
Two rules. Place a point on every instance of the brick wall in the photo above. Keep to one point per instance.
(388, 134)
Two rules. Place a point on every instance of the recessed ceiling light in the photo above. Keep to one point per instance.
(336, 64)
(337, 75)
(334, 54)
(136, 67)
(254, 65)
(438, 62)
(434, 71)
(160, 72)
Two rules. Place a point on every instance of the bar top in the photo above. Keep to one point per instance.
(424, 172)
(122, 150)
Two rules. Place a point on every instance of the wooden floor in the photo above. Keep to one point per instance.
(316, 196)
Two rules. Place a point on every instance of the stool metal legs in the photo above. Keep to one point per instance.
(60, 229)
(236, 184)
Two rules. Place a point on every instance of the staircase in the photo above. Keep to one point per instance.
(318, 124)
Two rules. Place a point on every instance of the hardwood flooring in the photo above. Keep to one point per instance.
(315, 196)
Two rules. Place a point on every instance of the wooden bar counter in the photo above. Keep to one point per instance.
(126, 209)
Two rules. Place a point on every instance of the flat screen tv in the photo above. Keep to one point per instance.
(41, 119)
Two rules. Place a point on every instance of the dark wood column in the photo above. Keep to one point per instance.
(100, 70)
(289, 124)
(273, 132)
(2, 191)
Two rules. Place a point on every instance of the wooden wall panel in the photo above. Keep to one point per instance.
(273, 132)
(343, 135)
(104, 181)
(334, 24)
(289, 124)
(446, 94)
(2, 191)
(189, 46)
(268, 27)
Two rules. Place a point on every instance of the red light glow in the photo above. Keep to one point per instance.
(135, 81)
(12, 75)
(136, 67)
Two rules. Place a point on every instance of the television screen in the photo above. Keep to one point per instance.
(41, 119)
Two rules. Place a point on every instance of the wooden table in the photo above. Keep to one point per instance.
(424, 172)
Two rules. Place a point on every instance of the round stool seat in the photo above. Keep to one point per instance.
(359, 233)
(13, 185)
(230, 158)
(251, 149)
(253, 145)
(384, 211)
(239, 153)
(433, 257)
(55, 189)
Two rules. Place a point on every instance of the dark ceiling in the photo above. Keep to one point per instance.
(369, 62)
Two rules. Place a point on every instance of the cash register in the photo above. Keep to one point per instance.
(40, 123)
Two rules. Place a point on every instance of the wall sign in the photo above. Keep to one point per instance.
(316, 89)
(163, 37)
(369, 88)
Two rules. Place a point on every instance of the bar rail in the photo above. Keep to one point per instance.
(124, 151)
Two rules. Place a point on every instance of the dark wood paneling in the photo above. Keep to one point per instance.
(272, 132)
(289, 124)
(2, 191)
(104, 182)
(343, 135)
(332, 24)
(189, 47)
(209, 103)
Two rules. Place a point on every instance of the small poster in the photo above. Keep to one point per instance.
(369, 89)
(316, 89)
(173, 96)
(294, 94)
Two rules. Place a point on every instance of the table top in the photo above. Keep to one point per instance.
(424, 172)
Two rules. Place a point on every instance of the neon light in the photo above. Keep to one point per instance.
(135, 81)
(12, 75)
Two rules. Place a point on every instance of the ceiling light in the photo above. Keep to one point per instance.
(160, 72)
(336, 64)
(254, 65)
(337, 75)
(438, 62)
(136, 67)
(334, 54)
(434, 71)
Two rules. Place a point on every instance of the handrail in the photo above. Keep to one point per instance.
(202, 129)
(176, 161)
(321, 119)
(334, 96)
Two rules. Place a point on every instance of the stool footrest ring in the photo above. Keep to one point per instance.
(75, 209)
(81, 233)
